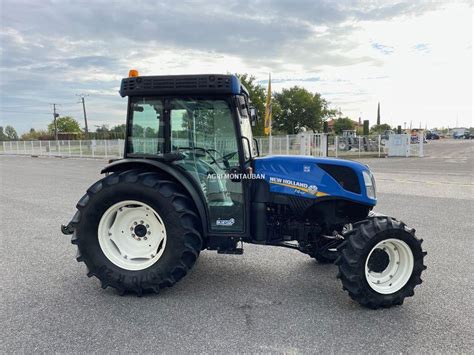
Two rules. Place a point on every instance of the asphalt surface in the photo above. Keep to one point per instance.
(267, 300)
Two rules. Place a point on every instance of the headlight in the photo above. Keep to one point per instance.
(369, 183)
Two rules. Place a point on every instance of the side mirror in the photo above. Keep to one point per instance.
(253, 116)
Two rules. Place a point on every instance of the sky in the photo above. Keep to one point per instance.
(414, 57)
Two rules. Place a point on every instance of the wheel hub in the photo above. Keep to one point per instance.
(132, 235)
(389, 266)
(140, 230)
(378, 261)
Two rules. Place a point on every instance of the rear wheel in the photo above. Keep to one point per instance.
(136, 231)
(381, 262)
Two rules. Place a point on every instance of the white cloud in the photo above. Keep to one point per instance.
(413, 57)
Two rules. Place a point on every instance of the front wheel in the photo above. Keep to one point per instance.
(136, 231)
(381, 262)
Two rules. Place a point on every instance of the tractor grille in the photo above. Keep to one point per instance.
(345, 176)
(176, 84)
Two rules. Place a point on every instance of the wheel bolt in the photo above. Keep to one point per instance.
(145, 238)
(141, 222)
(133, 235)
(148, 233)
(148, 226)
(125, 256)
(135, 223)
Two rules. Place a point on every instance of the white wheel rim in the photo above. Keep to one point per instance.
(398, 271)
(132, 235)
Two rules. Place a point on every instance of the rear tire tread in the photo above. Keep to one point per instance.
(182, 204)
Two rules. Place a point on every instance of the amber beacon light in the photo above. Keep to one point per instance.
(132, 73)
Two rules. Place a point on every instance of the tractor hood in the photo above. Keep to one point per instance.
(317, 178)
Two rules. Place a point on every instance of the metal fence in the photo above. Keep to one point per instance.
(347, 147)
(322, 145)
(312, 144)
(296, 144)
(67, 148)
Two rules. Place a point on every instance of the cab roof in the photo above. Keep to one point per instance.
(181, 84)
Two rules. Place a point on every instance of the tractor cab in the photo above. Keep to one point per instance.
(201, 124)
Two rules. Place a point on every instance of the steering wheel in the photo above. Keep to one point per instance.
(206, 151)
(224, 158)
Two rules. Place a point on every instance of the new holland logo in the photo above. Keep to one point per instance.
(300, 187)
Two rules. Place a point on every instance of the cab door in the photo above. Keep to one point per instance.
(203, 130)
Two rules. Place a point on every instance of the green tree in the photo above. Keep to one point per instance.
(36, 135)
(380, 128)
(66, 124)
(342, 124)
(11, 133)
(102, 132)
(257, 98)
(3, 136)
(118, 131)
(296, 108)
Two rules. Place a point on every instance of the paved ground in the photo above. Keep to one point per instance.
(268, 300)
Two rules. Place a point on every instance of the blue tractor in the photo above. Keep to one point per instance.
(192, 179)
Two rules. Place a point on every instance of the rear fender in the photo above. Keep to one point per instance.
(175, 173)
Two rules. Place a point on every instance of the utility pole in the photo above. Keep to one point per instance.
(85, 115)
(378, 114)
(55, 115)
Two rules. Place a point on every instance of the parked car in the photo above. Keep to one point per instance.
(432, 135)
(458, 135)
